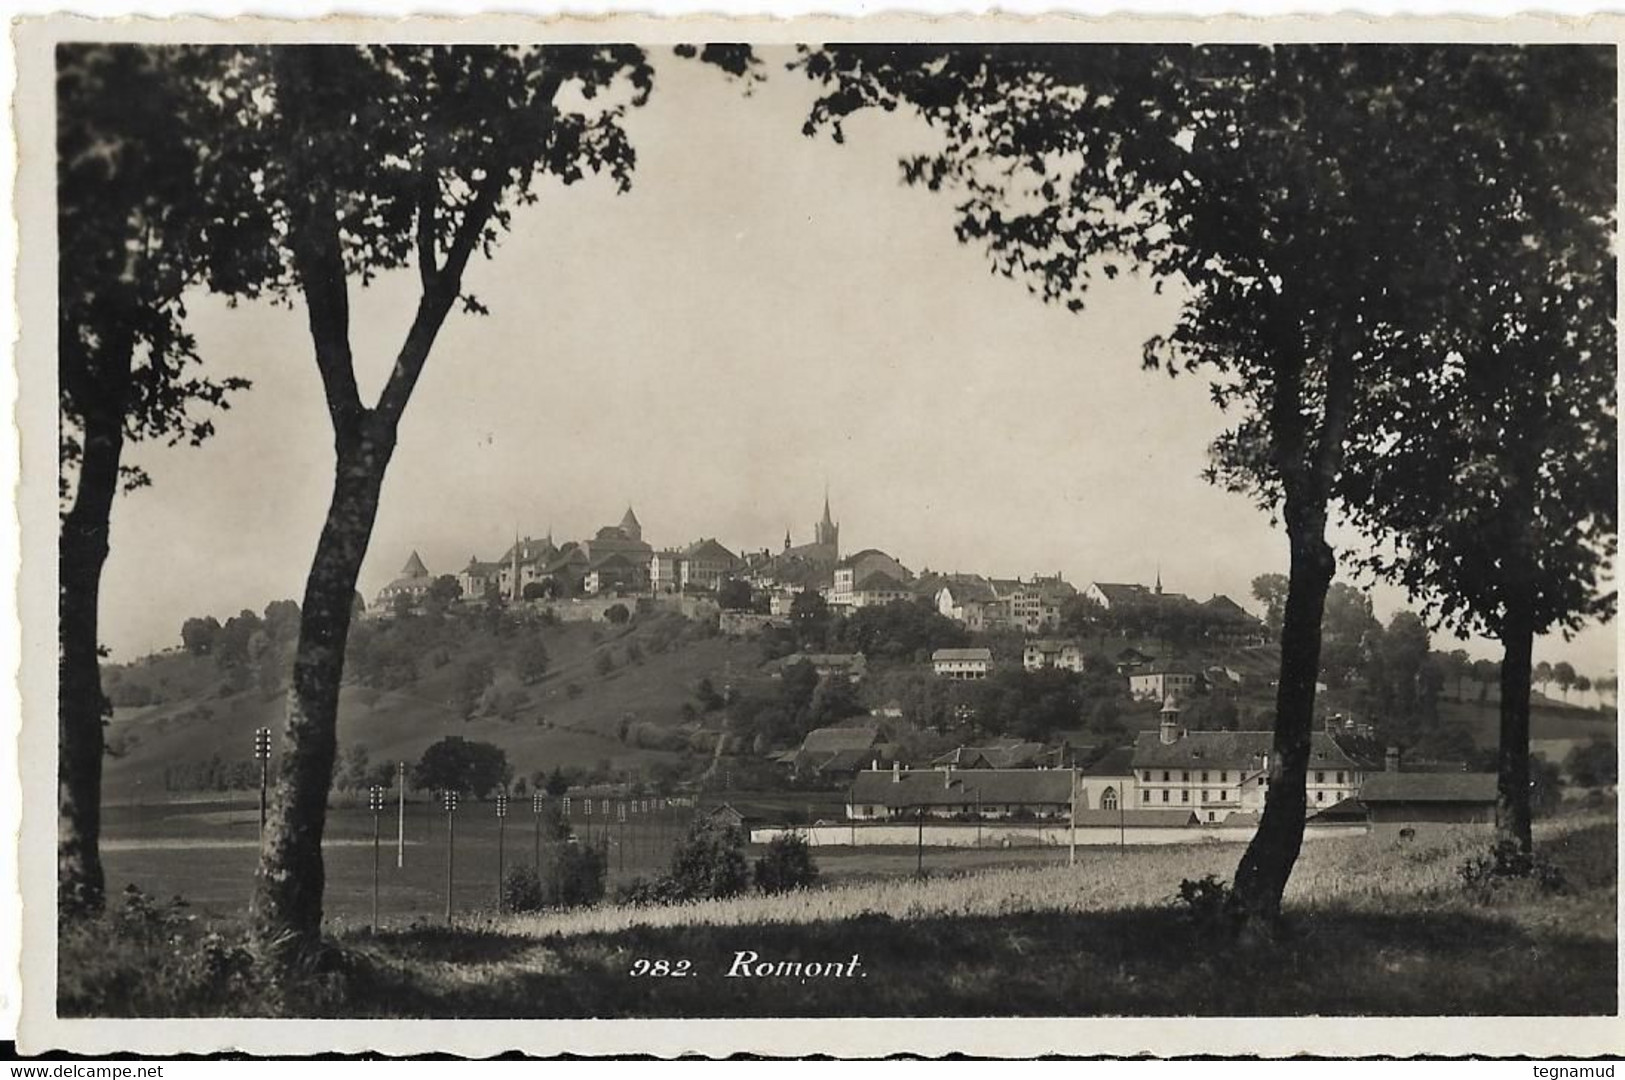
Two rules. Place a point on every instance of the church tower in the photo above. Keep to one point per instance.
(826, 532)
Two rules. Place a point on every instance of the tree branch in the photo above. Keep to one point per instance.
(320, 265)
(441, 285)
(428, 201)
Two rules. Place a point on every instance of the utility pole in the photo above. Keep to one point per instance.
(1072, 814)
(262, 753)
(919, 843)
(537, 806)
(375, 802)
(502, 818)
(449, 801)
(400, 817)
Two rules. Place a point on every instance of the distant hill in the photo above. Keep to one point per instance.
(557, 726)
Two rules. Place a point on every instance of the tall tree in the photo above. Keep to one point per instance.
(1493, 471)
(381, 158)
(146, 210)
(1291, 193)
(1563, 674)
(1270, 590)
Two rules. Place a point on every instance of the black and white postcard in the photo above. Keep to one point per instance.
(1046, 536)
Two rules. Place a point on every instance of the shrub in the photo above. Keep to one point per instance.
(604, 662)
(710, 862)
(617, 614)
(643, 891)
(786, 865)
(578, 876)
(147, 957)
(1485, 876)
(572, 690)
(1205, 901)
(521, 890)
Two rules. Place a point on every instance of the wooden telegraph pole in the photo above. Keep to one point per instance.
(375, 802)
(919, 842)
(400, 817)
(1072, 815)
(262, 753)
(449, 801)
(502, 818)
(537, 807)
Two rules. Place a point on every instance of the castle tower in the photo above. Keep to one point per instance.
(629, 526)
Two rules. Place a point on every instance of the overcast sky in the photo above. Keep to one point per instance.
(763, 313)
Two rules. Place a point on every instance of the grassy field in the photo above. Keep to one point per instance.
(1374, 928)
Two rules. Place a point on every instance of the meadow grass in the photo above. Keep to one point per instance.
(1374, 928)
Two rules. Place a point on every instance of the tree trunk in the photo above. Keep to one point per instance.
(287, 909)
(1512, 813)
(81, 887)
(1262, 874)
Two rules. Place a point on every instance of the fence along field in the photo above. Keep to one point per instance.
(207, 852)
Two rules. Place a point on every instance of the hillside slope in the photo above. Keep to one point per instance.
(557, 726)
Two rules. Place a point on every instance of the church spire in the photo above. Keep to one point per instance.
(1159, 579)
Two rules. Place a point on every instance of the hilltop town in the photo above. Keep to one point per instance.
(616, 562)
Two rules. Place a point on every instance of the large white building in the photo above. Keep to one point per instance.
(1214, 773)
(962, 663)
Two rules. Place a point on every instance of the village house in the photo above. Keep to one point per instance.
(610, 572)
(523, 563)
(1039, 653)
(971, 602)
(849, 666)
(478, 578)
(1035, 606)
(879, 589)
(664, 576)
(897, 793)
(837, 754)
(705, 563)
(962, 663)
(864, 566)
(1158, 682)
(999, 754)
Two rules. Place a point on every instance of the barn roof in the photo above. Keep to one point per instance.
(963, 787)
(1434, 787)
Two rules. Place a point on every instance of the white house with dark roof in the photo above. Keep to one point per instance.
(1040, 653)
(1158, 682)
(863, 566)
(962, 663)
(879, 589)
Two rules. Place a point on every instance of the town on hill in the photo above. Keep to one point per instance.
(610, 665)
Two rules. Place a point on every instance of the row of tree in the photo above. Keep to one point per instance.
(1398, 279)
